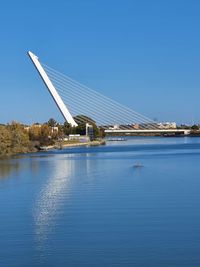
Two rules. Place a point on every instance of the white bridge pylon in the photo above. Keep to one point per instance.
(74, 98)
(62, 107)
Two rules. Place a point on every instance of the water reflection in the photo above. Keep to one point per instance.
(8, 166)
(14, 166)
(51, 197)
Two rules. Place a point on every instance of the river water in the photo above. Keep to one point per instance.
(129, 203)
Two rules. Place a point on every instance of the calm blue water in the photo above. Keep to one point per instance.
(92, 207)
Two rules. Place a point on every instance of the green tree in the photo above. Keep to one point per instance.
(67, 128)
(81, 129)
(52, 123)
(195, 127)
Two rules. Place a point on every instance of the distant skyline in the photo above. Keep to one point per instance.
(143, 54)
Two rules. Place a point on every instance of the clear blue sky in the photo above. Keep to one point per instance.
(145, 54)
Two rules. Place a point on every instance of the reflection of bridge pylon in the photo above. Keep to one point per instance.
(63, 109)
(73, 98)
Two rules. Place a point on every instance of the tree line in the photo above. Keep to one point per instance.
(18, 138)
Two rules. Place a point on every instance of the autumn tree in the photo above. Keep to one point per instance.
(45, 136)
(19, 138)
(35, 132)
(5, 141)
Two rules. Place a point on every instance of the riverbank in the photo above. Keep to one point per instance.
(73, 144)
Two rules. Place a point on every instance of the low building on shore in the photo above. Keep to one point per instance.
(167, 125)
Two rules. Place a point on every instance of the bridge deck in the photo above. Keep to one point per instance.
(179, 131)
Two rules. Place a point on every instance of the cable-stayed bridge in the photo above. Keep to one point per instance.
(77, 100)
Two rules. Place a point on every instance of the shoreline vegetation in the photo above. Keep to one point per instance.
(16, 138)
